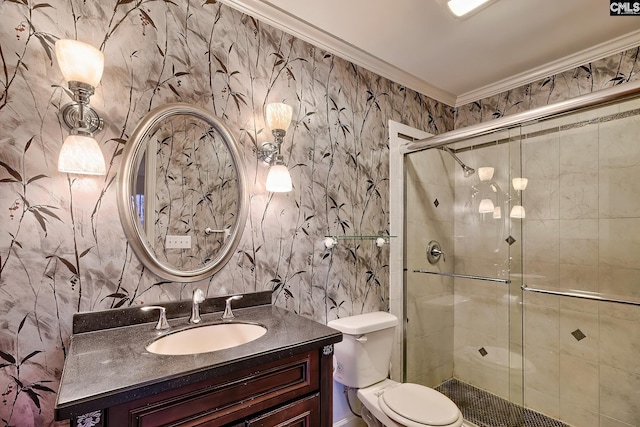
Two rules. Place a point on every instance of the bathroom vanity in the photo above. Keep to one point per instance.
(282, 378)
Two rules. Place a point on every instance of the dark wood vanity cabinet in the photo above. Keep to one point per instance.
(292, 391)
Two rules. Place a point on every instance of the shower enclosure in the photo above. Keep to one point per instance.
(522, 279)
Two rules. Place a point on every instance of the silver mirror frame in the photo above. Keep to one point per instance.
(128, 170)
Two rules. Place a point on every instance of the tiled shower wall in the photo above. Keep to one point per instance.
(486, 314)
(582, 232)
(430, 301)
(572, 359)
(488, 333)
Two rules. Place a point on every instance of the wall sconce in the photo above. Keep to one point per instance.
(278, 119)
(81, 65)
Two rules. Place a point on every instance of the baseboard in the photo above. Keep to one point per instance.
(350, 421)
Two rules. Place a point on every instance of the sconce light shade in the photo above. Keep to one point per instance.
(279, 116)
(486, 206)
(497, 212)
(279, 179)
(517, 212)
(81, 154)
(79, 62)
(485, 173)
(519, 184)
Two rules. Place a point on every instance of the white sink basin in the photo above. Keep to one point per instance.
(203, 339)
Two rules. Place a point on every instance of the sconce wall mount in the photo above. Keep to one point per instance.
(79, 112)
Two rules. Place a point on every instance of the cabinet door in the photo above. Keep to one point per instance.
(302, 413)
(223, 400)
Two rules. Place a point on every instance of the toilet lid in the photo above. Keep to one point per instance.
(420, 404)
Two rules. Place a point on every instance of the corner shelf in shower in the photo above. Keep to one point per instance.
(464, 276)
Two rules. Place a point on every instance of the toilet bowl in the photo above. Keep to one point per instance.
(396, 404)
(362, 361)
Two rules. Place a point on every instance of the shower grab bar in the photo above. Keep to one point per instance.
(581, 295)
(464, 276)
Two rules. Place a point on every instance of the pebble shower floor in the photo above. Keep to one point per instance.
(488, 410)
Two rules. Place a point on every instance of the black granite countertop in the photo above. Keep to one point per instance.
(111, 366)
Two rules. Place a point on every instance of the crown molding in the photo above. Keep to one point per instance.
(586, 56)
(278, 18)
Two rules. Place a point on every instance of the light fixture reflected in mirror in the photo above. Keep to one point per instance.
(519, 184)
(486, 206)
(517, 212)
(497, 212)
(81, 65)
(485, 173)
(278, 117)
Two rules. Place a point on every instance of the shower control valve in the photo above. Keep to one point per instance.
(434, 252)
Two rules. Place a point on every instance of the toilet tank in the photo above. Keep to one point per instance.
(363, 356)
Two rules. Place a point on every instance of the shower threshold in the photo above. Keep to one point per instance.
(484, 409)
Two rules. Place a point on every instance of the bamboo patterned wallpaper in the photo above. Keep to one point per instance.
(606, 72)
(61, 243)
(62, 248)
(194, 189)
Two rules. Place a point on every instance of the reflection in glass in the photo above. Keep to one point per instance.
(186, 183)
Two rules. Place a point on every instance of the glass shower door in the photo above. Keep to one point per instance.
(463, 312)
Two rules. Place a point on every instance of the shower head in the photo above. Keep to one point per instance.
(468, 171)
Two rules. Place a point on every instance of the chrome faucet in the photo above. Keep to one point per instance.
(198, 297)
(162, 320)
(228, 314)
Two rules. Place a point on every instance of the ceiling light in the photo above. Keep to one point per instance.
(462, 7)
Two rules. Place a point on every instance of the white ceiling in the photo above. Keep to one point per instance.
(419, 44)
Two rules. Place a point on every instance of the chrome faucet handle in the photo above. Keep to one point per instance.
(228, 314)
(198, 297)
(162, 320)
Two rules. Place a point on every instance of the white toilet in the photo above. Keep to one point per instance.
(362, 361)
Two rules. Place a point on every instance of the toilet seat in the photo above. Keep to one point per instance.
(405, 404)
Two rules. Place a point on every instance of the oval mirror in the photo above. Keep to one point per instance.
(182, 192)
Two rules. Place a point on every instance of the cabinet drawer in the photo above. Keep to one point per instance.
(226, 399)
(303, 413)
